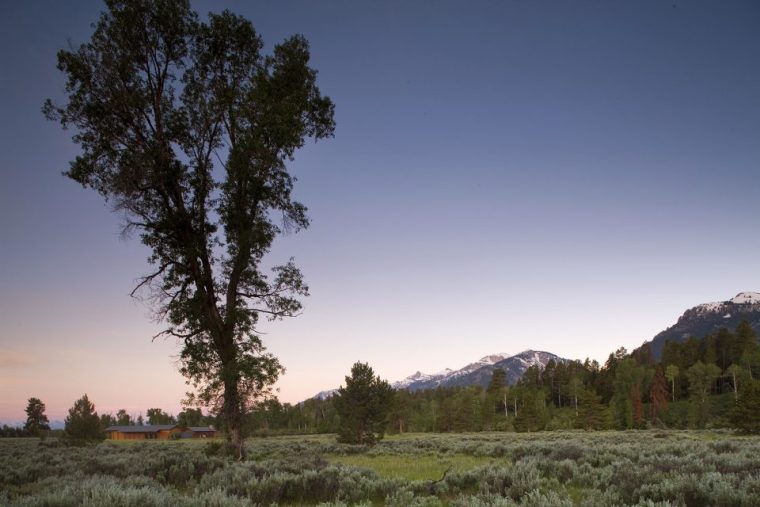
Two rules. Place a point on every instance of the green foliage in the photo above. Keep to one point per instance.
(192, 417)
(123, 418)
(157, 98)
(532, 414)
(701, 379)
(13, 432)
(158, 416)
(628, 378)
(592, 414)
(498, 382)
(83, 424)
(746, 414)
(626, 392)
(658, 395)
(36, 420)
(363, 406)
(484, 469)
(107, 420)
(671, 372)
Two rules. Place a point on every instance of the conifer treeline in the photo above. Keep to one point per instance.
(702, 382)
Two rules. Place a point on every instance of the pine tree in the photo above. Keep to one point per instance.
(400, 412)
(747, 348)
(498, 381)
(531, 416)
(83, 423)
(746, 415)
(496, 393)
(592, 414)
(637, 406)
(627, 375)
(363, 406)
(36, 420)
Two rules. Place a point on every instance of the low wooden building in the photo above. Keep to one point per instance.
(158, 432)
(147, 432)
(203, 431)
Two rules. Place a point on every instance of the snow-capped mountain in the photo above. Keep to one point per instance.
(747, 298)
(445, 375)
(421, 377)
(478, 372)
(323, 395)
(514, 366)
(708, 318)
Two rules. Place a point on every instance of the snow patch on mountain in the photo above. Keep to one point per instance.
(530, 358)
(323, 395)
(710, 307)
(483, 361)
(421, 377)
(747, 298)
(743, 298)
(448, 373)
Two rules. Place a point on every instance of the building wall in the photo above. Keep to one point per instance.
(118, 435)
(161, 435)
(166, 434)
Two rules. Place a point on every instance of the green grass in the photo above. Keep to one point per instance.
(413, 468)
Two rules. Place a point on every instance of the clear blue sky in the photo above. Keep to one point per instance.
(565, 176)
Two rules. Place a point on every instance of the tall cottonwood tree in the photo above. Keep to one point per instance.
(185, 128)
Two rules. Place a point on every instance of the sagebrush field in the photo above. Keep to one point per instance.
(495, 469)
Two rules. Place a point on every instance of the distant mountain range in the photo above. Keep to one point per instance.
(477, 373)
(699, 321)
(708, 318)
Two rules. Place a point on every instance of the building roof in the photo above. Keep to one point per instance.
(150, 428)
(201, 428)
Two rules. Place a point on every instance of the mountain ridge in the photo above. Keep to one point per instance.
(476, 373)
(707, 318)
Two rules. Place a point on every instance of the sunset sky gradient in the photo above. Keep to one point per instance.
(561, 176)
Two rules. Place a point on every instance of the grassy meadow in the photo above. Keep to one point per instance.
(691, 468)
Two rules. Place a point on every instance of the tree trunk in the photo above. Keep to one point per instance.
(234, 418)
(736, 391)
(235, 436)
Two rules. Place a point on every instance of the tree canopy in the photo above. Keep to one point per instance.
(36, 420)
(158, 416)
(363, 406)
(746, 414)
(185, 127)
(83, 424)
